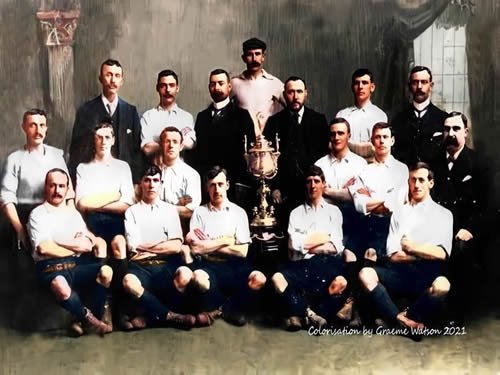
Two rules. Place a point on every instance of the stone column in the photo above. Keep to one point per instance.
(59, 27)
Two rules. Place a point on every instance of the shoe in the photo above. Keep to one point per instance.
(345, 313)
(124, 323)
(407, 322)
(182, 321)
(315, 320)
(101, 327)
(355, 321)
(293, 324)
(207, 318)
(235, 318)
(76, 329)
(139, 322)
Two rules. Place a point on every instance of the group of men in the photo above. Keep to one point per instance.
(373, 211)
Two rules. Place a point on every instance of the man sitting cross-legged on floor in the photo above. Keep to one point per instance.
(316, 267)
(61, 246)
(154, 240)
(223, 281)
(418, 247)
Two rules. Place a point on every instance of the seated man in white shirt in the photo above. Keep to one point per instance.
(378, 190)
(154, 241)
(61, 247)
(181, 183)
(166, 113)
(24, 174)
(316, 268)
(363, 114)
(223, 280)
(418, 247)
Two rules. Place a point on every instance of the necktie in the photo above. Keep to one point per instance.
(218, 114)
(450, 160)
(108, 107)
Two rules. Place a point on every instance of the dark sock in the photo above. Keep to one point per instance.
(383, 303)
(74, 305)
(99, 300)
(155, 311)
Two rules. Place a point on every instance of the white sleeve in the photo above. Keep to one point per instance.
(10, 181)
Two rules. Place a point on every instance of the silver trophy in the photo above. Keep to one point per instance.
(262, 163)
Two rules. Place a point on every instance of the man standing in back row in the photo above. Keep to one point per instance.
(255, 89)
(363, 114)
(124, 117)
(418, 129)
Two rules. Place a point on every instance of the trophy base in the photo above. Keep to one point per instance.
(263, 222)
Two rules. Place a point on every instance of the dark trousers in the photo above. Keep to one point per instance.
(105, 225)
(82, 276)
(410, 280)
(372, 232)
(160, 295)
(308, 281)
(228, 285)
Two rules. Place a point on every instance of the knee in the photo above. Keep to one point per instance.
(349, 256)
(132, 285)
(119, 247)
(105, 276)
(60, 287)
(440, 287)
(183, 276)
(368, 278)
(100, 248)
(337, 286)
(201, 280)
(279, 282)
(256, 280)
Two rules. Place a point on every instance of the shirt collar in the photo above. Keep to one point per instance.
(389, 162)
(364, 108)
(174, 167)
(456, 155)
(265, 75)
(173, 109)
(346, 158)
(309, 207)
(155, 204)
(224, 207)
(221, 104)
(423, 105)
(425, 203)
(300, 113)
(112, 104)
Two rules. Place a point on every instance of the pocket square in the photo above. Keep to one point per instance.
(437, 134)
(129, 131)
(467, 178)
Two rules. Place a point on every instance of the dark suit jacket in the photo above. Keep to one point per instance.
(418, 139)
(297, 155)
(220, 141)
(127, 130)
(464, 190)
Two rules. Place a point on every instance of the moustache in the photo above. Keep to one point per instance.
(254, 64)
(451, 141)
(57, 196)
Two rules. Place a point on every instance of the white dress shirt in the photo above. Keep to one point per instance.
(386, 181)
(425, 223)
(154, 120)
(105, 177)
(181, 180)
(362, 121)
(306, 219)
(151, 223)
(339, 171)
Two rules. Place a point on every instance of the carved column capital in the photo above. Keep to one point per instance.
(59, 26)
